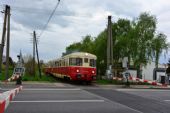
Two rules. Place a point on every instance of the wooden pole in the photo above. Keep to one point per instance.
(109, 49)
(34, 37)
(8, 45)
(3, 37)
(39, 68)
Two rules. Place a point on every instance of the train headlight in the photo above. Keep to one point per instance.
(77, 71)
(93, 72)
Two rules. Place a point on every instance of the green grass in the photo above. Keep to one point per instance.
(43, 78)
(2, 75)
(27, 77)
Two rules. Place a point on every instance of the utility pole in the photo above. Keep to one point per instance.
(39, 68)
(8, 44)
(3, 37)
(33, 65)
(109, 49)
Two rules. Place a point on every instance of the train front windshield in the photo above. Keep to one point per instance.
(92, 62)
(75, 61)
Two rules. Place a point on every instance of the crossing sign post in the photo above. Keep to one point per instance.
(127, 74)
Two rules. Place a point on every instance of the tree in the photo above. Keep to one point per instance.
(87, 44)
(100, 47)
(158, 45)
(143, 34)
(121, 39)
(73, 47)
(145, 27)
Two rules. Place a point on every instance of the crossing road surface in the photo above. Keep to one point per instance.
(72, 100)
(1, 90)
(140, 102)
(75, 99)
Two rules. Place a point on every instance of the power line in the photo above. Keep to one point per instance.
(45, 26)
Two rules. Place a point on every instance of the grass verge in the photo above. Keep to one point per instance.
(26, 77)
(44, 78)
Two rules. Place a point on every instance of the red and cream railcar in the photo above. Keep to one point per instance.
(79, 66)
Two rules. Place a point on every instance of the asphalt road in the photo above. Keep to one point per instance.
(64, 98)
(140, 102)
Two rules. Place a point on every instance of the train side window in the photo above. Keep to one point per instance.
(92, 63)
(86, 60)
(72, 61)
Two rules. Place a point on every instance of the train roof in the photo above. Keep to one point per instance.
(81, 54)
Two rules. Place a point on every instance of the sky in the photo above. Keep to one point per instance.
(73, 20)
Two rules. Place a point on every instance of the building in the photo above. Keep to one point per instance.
(149, 72)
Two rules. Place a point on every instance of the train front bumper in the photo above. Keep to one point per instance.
(86, 77)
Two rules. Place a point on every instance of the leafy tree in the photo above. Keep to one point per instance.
(121, 40)
(73, 47)
(143, 32)
(158, 45)
(145, 27)
(87, 44)
(100, 46)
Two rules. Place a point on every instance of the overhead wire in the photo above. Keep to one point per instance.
(51, 15)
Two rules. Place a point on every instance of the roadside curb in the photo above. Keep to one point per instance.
(6, 98)
(133, 86)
